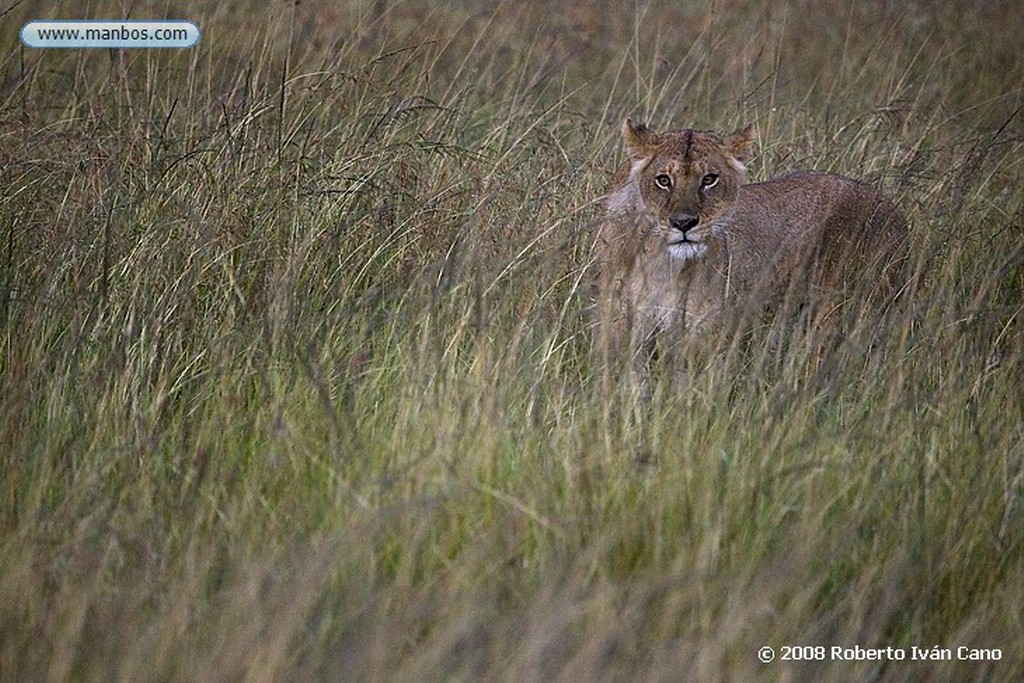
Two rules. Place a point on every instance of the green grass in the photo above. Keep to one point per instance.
(295, 378)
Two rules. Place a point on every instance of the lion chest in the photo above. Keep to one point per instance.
(664, 296)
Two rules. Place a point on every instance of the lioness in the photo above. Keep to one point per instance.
(683, 242)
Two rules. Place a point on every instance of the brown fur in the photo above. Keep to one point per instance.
(683, 241)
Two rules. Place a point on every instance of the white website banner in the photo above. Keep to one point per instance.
(110, 33)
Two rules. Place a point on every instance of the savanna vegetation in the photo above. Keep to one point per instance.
(295, 370)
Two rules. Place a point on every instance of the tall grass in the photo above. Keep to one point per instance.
(295, 377)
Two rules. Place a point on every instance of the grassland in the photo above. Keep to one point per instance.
(295, 379)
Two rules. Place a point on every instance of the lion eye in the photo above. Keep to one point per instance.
(663, 181)
(709, 180)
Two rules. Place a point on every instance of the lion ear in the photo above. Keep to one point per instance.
(741, 143)
(640, 140)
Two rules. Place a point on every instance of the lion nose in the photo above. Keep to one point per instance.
(684, 222)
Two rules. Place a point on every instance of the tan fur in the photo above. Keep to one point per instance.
(683, 241)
